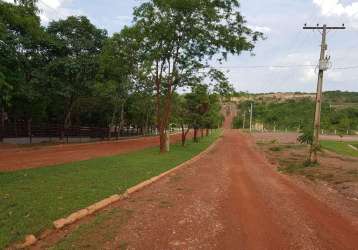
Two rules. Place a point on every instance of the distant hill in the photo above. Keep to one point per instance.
(331, 97)
(294, 111)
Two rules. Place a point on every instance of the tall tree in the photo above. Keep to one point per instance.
(72, 72)
(22, 41)
(181, 116)
(198, 104)
(180, 36)
(118, 71)
(141, 110)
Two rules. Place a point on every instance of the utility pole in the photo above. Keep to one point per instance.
(323, 66)
(251, 110)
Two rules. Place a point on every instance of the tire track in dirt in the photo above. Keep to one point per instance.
(276, 214)
(229, 199)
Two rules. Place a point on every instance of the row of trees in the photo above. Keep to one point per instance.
(71, 72)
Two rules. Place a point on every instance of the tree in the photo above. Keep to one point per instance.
(22, 46)
(214, 118)
(198, 106)
(306, 136)
(141, 110)
(72, 73)
(222, 85)
(118, 72)
(179, 37)
(181, 116)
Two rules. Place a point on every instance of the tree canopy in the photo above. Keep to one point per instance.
(71, 73)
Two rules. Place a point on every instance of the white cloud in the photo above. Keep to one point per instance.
(262, 29)
(308, 75)
(337, 8)
(54, 9)
(124, 18)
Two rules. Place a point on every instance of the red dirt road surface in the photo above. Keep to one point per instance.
(14, 158)
(232, 198)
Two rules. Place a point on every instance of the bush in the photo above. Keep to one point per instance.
(306, 137)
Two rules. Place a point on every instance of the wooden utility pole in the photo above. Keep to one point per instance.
(323, 66)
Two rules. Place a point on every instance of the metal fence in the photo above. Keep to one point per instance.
(21, 132)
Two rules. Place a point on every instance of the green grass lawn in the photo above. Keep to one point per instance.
(31, 199)
(341, 148)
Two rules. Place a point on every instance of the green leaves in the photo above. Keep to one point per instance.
(76, 46)
(306, 137)
(175, 32)
(179, 38)
(77, 36)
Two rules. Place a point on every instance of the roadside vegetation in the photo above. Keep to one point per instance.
(339, 113)
(31, 199)
(71, 73)
(86, 236)
(342, 148)
(337, 170)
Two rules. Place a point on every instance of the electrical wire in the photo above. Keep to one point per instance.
(283, 67)
(264, 66)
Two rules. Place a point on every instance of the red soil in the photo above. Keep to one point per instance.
(291, 137)
(12, 159)
(232, 198)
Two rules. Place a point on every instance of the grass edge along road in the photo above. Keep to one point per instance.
(31, 199)
(341, 148)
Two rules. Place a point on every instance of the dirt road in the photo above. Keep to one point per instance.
(22, 158)
(230, 199)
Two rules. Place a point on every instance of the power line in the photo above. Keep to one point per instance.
(284, 67)
(265, 66)
(344, 68)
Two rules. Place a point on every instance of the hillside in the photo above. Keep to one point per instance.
(295, 111)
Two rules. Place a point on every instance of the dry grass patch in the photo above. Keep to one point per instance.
(340, 172)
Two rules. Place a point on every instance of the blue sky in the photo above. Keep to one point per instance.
(286, 45)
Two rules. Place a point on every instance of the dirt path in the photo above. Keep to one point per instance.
(22, 158)
(230, 199)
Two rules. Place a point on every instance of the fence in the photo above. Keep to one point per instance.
(21, 132)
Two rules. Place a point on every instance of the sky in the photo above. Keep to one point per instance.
(287, 44)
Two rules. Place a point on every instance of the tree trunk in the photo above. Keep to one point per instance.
(207, 132)
(15, 126)
(2, 123)
(195, 135)
(184, 134)
(167, 142)
(202, 132)
(146, 125)
(183, 137)
(163, 120)
(67, 122)
(163, 109)
(121, 122)
(112, 122)
(29, 129)
(163, 140)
